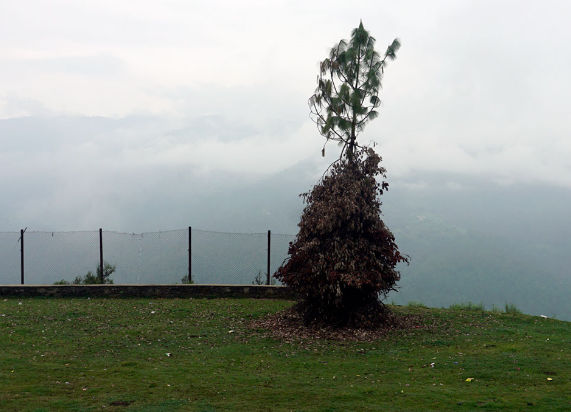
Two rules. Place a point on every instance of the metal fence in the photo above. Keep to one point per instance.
(169, 257)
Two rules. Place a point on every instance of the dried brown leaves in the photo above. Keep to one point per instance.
(344, 256)
(289, 326)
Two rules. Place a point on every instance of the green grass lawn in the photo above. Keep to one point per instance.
(113, 355)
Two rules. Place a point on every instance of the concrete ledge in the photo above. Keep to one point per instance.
(149, 291)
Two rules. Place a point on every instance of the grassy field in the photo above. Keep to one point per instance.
(201, 355)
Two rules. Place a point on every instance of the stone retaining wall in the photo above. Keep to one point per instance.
(149, 291)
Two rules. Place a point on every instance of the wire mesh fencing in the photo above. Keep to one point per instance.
(228, 258)
(10, 258)
(54, 256)
(147, 258)
(168, 257)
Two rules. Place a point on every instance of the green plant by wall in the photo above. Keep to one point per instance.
(186, 281)
(258, 280)
(91, 278)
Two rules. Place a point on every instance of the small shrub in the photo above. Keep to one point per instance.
(258, 280)
(186, 281)
(468, 306)
(512, 309)
(496, 309)
(415, 304)
(92, 278)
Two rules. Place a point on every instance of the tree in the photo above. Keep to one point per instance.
(348, 87)
(344, 257)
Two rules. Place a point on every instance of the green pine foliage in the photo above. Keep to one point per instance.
(348, 85)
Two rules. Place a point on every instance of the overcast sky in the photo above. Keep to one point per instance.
(478, 88)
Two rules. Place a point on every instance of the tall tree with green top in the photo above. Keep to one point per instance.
(344, 257)
(348, 86)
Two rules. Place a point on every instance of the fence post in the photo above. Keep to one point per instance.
(101, 255)
(190, 254)
(269, 241)
(22, 254)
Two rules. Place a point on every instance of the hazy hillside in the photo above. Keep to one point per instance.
(469, 238)
(450, 264)
(471, 241)
(485, 243)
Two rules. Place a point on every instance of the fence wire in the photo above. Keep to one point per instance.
(146, 258)
(54, 256)
(10, 258)
(228, 258)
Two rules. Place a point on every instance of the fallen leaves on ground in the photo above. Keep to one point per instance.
(289, 326)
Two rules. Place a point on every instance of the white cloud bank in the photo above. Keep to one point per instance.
(479, 88)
